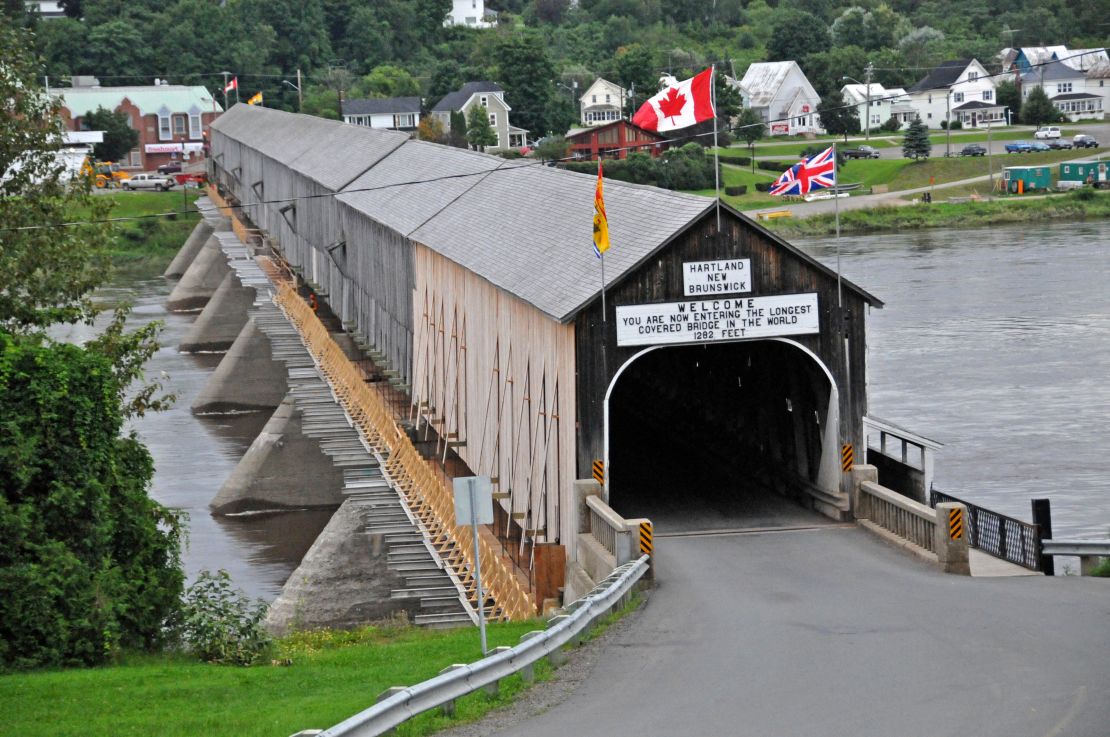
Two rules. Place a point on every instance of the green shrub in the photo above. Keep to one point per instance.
(218, 624)
(1102, 570)
(734, 160)
(737, 190)
(763, 186)
(955, 125)
(776, 166)
(1086, 193)
(891, 125)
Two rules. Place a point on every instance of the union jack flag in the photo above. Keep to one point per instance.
(807, 175)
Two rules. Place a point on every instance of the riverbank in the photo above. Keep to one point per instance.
(1082, 205)
(147, 241)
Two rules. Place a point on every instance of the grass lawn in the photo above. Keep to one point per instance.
(735, 175)
(333, 676)
(952, 169)
(146, 246)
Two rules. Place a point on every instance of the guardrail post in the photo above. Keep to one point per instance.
(528, 672)
(385, 695)
(860, 472)
(448, 707)
(1087, 564)
(494, 688)
(557, 657)
(1042, 518)
(951, 538)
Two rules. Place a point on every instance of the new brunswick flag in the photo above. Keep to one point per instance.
(256, 99)
(601, 220)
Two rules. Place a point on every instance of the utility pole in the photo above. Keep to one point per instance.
(300, 95)
(225, 89)
(990, 163)
(867, 78)
(948, 121)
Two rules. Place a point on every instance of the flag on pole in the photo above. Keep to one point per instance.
(817, 172)
(679, 106)
(601, 220)
(256, 99)
(232, 85)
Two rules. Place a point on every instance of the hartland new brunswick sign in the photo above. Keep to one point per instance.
(718, 318)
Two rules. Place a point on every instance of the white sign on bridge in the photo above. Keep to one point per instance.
(706, 278)
(702, 321)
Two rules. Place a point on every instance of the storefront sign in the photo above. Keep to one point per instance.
(162, 148)
(702, 278)
(710, 320)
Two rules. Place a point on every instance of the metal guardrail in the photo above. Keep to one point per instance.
(449, 686)
(897, 514)
(996, 534)
(1081, 548)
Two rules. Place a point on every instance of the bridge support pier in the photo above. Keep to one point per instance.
(200, 280)
(248, 378)
(221, 320)
(189, 251)
(283, 468)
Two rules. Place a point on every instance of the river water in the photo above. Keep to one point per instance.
(995, 342)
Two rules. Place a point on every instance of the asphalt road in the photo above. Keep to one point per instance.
(832, 632)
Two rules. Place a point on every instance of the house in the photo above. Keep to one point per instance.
(1098, 83)
(783, 97)
(1028, 57)
(602, 104)
(957, 90)
(171, 119)
(1067, 88)
(396, 113)
(880, 105)
(1082, 59)
(470, 13)
(613, 140)
(490, 96)
(46, 9)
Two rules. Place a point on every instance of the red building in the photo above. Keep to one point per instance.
(614, 141)
(172, 120)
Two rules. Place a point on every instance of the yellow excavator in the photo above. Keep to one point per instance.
(105, 173)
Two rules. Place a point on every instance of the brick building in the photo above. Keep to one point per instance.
(172, 120)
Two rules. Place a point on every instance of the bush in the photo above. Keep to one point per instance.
(737, 190)
(1085, 194)
(763, 186)
(219, 624)
(891, 125)
(955, 125)
(688, 167)
(776, 166)
(944, 125)
(734, 160)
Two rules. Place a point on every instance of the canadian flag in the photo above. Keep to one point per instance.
(232, 85)
(681, 105)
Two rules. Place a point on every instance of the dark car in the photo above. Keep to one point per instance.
(973, 149)
(863, 152)
(1059, 143)
(1018, 147)
(171, 168)
(1084, 141)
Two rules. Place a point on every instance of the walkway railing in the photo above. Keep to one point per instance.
(605, 524)
(897, 514)
(427, 495)
(1001, 536)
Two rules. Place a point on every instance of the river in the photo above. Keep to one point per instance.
(995, 342)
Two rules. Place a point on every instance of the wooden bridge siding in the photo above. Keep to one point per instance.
(774, 270)
(524, 445)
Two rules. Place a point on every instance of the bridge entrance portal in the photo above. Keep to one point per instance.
(721, 436)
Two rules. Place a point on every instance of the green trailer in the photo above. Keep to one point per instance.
(1078, 173)
(1020, 179)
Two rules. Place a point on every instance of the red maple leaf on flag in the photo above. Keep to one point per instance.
(672, 104)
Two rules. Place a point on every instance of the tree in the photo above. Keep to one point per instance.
(387, 81)
(456, 133)
(1038, 109)
(916, 144)
(794, 34)
(553, 148)
(430, 129)
(479, 133)
(750, 128)
(119, 136)
(636, 72)
(837, 117)
(525, 72)
(1006, 93)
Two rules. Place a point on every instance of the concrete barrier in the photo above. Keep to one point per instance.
(283, 468)
(201, 280)
(248, 379)
(222, 319)
(188, 252)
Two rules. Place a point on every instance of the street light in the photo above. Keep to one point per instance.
(297, 87)
(867, 117)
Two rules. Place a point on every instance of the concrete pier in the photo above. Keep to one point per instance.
(189, 251)
(283, 468)
(222, 319)
(248, 378)
(200, 280)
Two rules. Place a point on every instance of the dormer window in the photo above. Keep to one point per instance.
(972, 76)
(483, 101)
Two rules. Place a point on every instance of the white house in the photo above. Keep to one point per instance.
(1098, 83)
(960, 89)
(602, 103)
(1067, 88)
(784, 98)
(471, 13)
(491, 97)
(878, 106)
(1082, 59)
(397, 113)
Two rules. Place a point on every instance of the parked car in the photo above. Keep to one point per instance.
(1019, 147)
(148, 181)
(1035, 146)
(171, 168)
(1047, 131)
(973, 149)
(1059, 143)
(1084, 141)
(863, 152)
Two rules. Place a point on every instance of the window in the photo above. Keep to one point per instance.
(988, 94)
(930, 99)
(958, 97)
(165, 133)
(483, 101)
(607, 98)
(136, 157)
(972, 76)
(404, 120)
(1067, 169)
(179, 125)
(194, 125)
(1063, 87)
(493, 119)
(593, 98)
(930, 116)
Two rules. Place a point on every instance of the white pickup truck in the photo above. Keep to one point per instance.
(148, 181)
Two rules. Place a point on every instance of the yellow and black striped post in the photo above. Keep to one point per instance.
(599, 472)
(646, 542)
(956, 523)
(847, 457)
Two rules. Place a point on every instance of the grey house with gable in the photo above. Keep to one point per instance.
(490, 96)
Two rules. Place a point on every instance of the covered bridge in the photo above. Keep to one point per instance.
(726, 363)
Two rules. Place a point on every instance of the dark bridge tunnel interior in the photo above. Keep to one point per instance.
(717, 436)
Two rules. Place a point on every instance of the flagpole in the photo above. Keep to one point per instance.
(836, 208)
(716, 149)
(603, 288)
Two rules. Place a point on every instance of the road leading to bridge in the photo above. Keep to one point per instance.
(831, 632)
